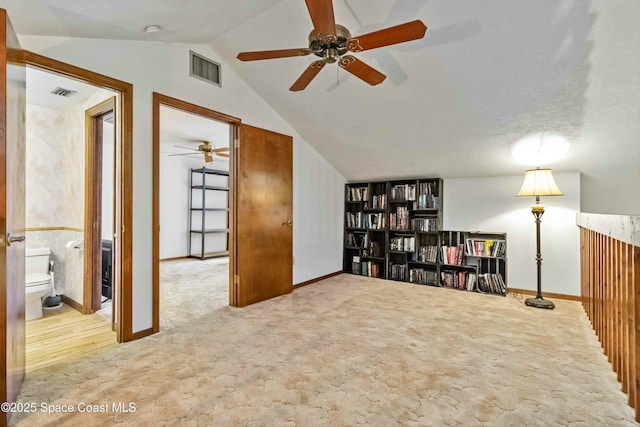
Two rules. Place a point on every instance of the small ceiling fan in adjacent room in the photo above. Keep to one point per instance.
(207, 149)
(331, 42)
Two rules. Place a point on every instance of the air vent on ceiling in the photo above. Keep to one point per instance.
(63, 92)
(204, 69)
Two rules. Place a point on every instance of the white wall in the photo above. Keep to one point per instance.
(490, 204)
(612, 109)
(175, 172)
(108, 165)
(164, 68)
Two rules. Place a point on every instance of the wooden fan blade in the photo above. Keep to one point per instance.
(184, 154)
(303, 81)
(361, 70)
(272, 54)
(222, 155)
(218, 150)
(208, 158)
(393, 35)
(324, 21)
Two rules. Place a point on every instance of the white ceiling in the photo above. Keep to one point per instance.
(179, 129)
(40, 84)
(487, 74)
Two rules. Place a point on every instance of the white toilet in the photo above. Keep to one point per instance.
(37, 281)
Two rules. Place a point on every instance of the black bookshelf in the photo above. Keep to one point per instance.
(393, 230)
(202, 213)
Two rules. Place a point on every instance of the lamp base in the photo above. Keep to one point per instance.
(539, 303)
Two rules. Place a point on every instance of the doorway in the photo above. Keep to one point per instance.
(192, 206)
(123, 191)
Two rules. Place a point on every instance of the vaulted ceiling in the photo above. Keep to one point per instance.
(486, 75)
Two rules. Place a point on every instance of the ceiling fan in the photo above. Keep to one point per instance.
(207, 149)
(331, 42)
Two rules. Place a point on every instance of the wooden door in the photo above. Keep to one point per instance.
(264, 213)
(12, 213)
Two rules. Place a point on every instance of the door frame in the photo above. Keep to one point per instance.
(91, 295)
(123, 241)
(234, 124)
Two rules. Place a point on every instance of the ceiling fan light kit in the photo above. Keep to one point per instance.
(332, 42)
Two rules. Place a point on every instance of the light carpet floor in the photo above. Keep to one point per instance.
(345, 351)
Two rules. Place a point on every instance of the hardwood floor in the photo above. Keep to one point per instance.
(65, 335)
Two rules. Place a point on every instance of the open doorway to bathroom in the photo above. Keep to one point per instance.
(60, 166)
(191, 210)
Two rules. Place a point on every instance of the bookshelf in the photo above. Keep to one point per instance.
(208, 213)
(393, 230)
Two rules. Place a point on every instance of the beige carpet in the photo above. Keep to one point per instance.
(346, 351)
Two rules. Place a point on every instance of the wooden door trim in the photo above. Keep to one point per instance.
(234, 122)
(123, 245)
(91, 300)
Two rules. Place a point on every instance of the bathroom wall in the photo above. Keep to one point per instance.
(55, 186)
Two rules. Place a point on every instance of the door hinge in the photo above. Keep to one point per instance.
(236, 279)
(2, 242)
(237, 142)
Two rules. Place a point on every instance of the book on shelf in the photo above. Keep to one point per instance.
(355, 240)
(379, 201)
(400, 219)
(491, 283)
(399, 271)
(355, 265)
(370, 268)
(486, 247)
(405, 244)
(423, 277)
(428, 254)
(424, 224)
(428, 195)
(403, 192)
(357, 194)
(463, 280)
(452, 254)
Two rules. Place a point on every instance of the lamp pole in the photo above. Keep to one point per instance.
(538, 210)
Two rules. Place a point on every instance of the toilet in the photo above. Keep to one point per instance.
(37, 281)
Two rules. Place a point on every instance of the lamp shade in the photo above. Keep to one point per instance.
(539, 182)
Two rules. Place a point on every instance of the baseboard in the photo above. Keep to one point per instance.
(71, 303)
(174, 258)
(546, 294)
(317, 279)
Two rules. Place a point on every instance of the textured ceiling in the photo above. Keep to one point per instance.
(488, 74)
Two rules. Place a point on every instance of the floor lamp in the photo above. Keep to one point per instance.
(539, 182)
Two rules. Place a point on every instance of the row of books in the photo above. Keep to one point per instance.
(400, 219)
(399, 243)
(424, 224)
(427, 254)
(482, 247)
(491, 283)
(423, 277)
(452, 254)
(365, 268)
(464, 280)
(357, 194)
(375, 221)
(398, 272)
(428, 195)
(356, 240)
(403, 192)
(379, 201)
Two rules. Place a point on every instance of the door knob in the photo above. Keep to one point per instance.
(289, 222)
(13, 239)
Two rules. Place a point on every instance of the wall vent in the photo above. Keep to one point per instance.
(63, 92)
(204, 69)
